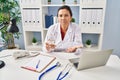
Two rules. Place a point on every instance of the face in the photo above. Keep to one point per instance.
(64, 17)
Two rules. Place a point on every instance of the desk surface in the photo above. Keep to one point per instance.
(13, 70)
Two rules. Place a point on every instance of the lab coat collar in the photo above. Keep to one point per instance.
(58, 34)
(68, 33)
(69, 28)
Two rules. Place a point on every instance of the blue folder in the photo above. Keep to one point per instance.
(48, 20)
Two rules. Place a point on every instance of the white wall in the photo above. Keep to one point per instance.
(112, 26)
(20, 41)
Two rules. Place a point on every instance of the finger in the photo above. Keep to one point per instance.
(47, 43)
(70, 50)
(67, 50)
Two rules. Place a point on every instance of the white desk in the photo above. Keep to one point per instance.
(13, 71)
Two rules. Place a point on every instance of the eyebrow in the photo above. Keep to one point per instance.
(63, 15)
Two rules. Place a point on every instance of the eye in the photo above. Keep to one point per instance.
(60, 15)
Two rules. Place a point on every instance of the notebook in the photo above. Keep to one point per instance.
(91, 59)
(39, 63)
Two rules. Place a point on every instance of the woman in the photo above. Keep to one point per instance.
(65, 34)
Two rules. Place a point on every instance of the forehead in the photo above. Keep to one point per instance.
(63, 11)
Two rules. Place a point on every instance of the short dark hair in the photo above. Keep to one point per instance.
(65, 7)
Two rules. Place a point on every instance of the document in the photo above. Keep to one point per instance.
(39, 63)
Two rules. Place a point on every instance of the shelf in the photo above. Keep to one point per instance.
(53, 5)
(30, 3)
(30, 6)
(95, 30)
(32, 28)
(34, 48)
(92, 5)
(45, 29)
(93, 48)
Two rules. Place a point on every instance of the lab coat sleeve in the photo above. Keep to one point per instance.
(48, 36)
(77, 37)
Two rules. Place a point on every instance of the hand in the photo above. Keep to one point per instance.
(49, 46)
(71, 49)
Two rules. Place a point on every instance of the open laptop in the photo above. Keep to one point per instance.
(91, 59)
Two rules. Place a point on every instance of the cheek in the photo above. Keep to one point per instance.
(69, 20)
(65, 20)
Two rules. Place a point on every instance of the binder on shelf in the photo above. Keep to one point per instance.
(37, 17)
(83, 17)
(33, 16)
(93, 18)
(99, 16)
(48, 20)
(88, 17)
(39, 63)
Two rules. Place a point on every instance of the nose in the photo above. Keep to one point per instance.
(63, 17)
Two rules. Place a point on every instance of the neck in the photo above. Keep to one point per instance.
(64, 27)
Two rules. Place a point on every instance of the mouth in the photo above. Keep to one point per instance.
(63, 21)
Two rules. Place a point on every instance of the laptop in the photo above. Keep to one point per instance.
(91, 59)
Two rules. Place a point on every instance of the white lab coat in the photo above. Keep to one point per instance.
(72, 37)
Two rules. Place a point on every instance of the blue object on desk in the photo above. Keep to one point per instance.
(2, 64)
(38, 64)
(60, 77)
(49, 69)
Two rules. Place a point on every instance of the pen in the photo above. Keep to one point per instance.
(38, 64)
(61, 75)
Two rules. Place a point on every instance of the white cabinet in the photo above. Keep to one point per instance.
(32, 23)
(92, 13)
(89, 14)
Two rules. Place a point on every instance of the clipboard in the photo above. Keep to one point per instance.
(41, 61)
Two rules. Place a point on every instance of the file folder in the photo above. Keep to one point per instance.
(48, 20)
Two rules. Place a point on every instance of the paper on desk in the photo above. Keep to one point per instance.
(13, 52)
(64, 55)
(5, 53)
(45, 60)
